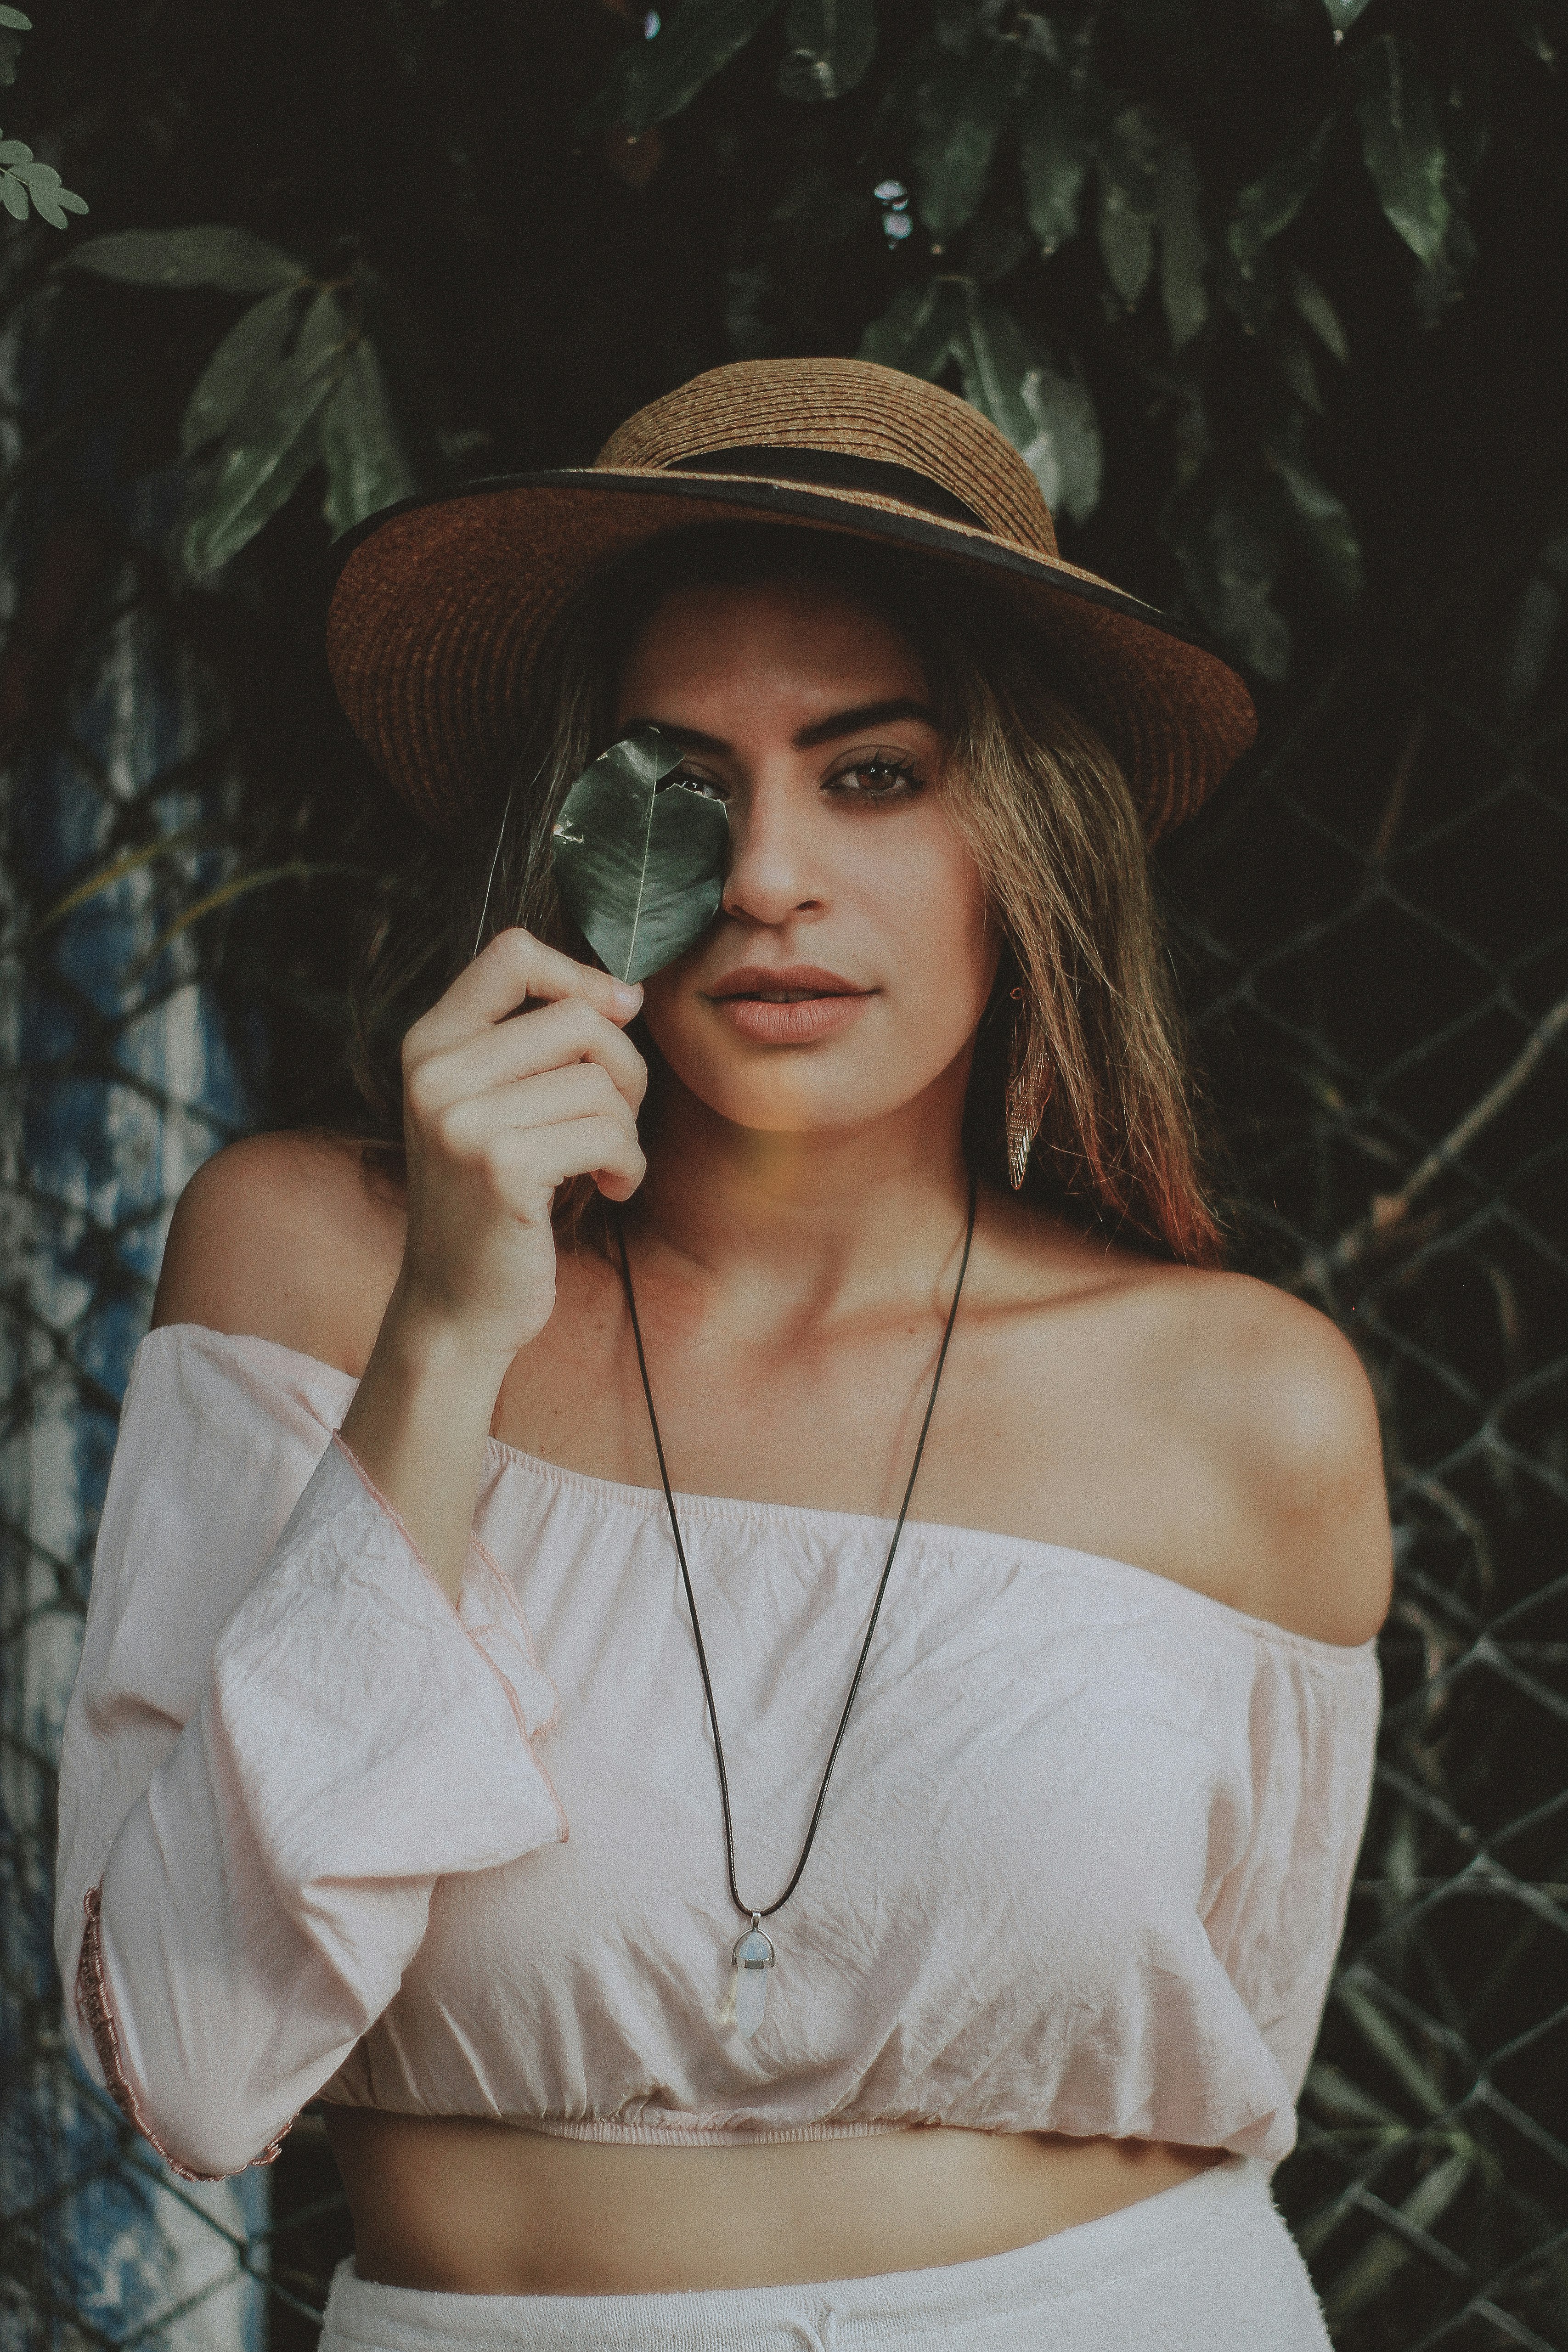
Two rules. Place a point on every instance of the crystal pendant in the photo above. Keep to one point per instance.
(752, 1956)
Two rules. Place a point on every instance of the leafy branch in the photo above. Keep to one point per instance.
(1014, 142)
(294, 385)
(25, 184)
(23, 177)
(11, 24)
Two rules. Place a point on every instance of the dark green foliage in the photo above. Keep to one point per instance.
(1152, 224)
(25, 184)
(229, 258)
(641, 870)
(12, 22)
(1403, 146)
(831, 42)
(294, 385)
(23, 179)
(654, 82)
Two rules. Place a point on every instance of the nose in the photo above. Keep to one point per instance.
(775, 870)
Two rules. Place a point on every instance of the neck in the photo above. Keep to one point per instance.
(831, 1218)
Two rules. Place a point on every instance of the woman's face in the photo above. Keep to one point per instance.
(852, 958)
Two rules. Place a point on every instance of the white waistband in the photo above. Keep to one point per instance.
(1208, 2264)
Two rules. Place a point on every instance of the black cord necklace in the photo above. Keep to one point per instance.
(753, 1953)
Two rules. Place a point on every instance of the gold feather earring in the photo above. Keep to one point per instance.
(1030, 1079)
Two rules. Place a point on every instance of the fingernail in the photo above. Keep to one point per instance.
(628, 995)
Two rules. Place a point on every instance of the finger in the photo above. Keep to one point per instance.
(604, 1146)
(554, 1037)
(513, 968)
(469, 1128)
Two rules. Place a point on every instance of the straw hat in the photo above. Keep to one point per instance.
(441, 604)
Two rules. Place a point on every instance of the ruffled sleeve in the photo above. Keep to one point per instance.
(1279, 1912)
(282, 1733)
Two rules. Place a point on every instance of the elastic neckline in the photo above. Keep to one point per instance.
(618, 1494)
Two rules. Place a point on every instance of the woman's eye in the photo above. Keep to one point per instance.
(876, 780)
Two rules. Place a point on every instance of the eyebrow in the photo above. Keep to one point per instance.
(822, 730)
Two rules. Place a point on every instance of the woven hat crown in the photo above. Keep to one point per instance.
(844, 408)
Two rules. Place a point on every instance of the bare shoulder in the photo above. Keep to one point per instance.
(1279, 1401)
(293, 1238)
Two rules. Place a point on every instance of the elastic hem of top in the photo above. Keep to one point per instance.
(603, 2129)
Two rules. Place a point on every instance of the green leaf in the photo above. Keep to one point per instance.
(1228, 568)
(1527, 17)
(13, 196)
(1324, 518)
(641, 871)
(1053, 157)
(52, 201)
(1354, 1994)
(960, 111)
(15, 21)
(228, 258)
(271, 448)
(251, 349)
(1312, 305)
(920, 331)
(1343, 14)
(1048, 417)
(955, 24)
(1378, 2264)
(1183, 251)
(13, 151)
(653, 79)
(831, 42)
(1331, 2090)
(1294, 361)
(996, 359)
(366, 467)
(1268, 204)
(1400, 141)
(1130, 162)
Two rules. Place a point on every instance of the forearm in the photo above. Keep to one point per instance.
(418, 1426)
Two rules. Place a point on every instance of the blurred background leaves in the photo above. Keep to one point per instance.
(1187, 256)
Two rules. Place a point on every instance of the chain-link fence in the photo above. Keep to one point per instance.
(1374, 936)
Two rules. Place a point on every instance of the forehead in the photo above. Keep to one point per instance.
(807, 639)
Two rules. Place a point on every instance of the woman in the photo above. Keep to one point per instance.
(486, 1797)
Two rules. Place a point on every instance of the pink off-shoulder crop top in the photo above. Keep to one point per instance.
(1083, 1868)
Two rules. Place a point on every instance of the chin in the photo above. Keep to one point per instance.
(798, 1094)
(776, 1107)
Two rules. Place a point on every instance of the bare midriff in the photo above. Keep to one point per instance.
(472, 2208)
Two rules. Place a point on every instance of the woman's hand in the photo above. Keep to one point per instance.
(496, 1113)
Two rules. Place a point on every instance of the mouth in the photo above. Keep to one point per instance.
(791, 984)
(795, 1004)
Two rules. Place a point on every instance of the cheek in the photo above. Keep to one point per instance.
(925, 908)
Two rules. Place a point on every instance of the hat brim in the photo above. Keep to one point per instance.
(439, 606)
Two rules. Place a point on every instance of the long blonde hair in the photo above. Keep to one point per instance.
(1083, 1004)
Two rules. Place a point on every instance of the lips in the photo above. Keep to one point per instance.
(784, 983)
(788, 1004)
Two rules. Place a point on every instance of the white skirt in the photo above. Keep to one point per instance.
(1207, 2266)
